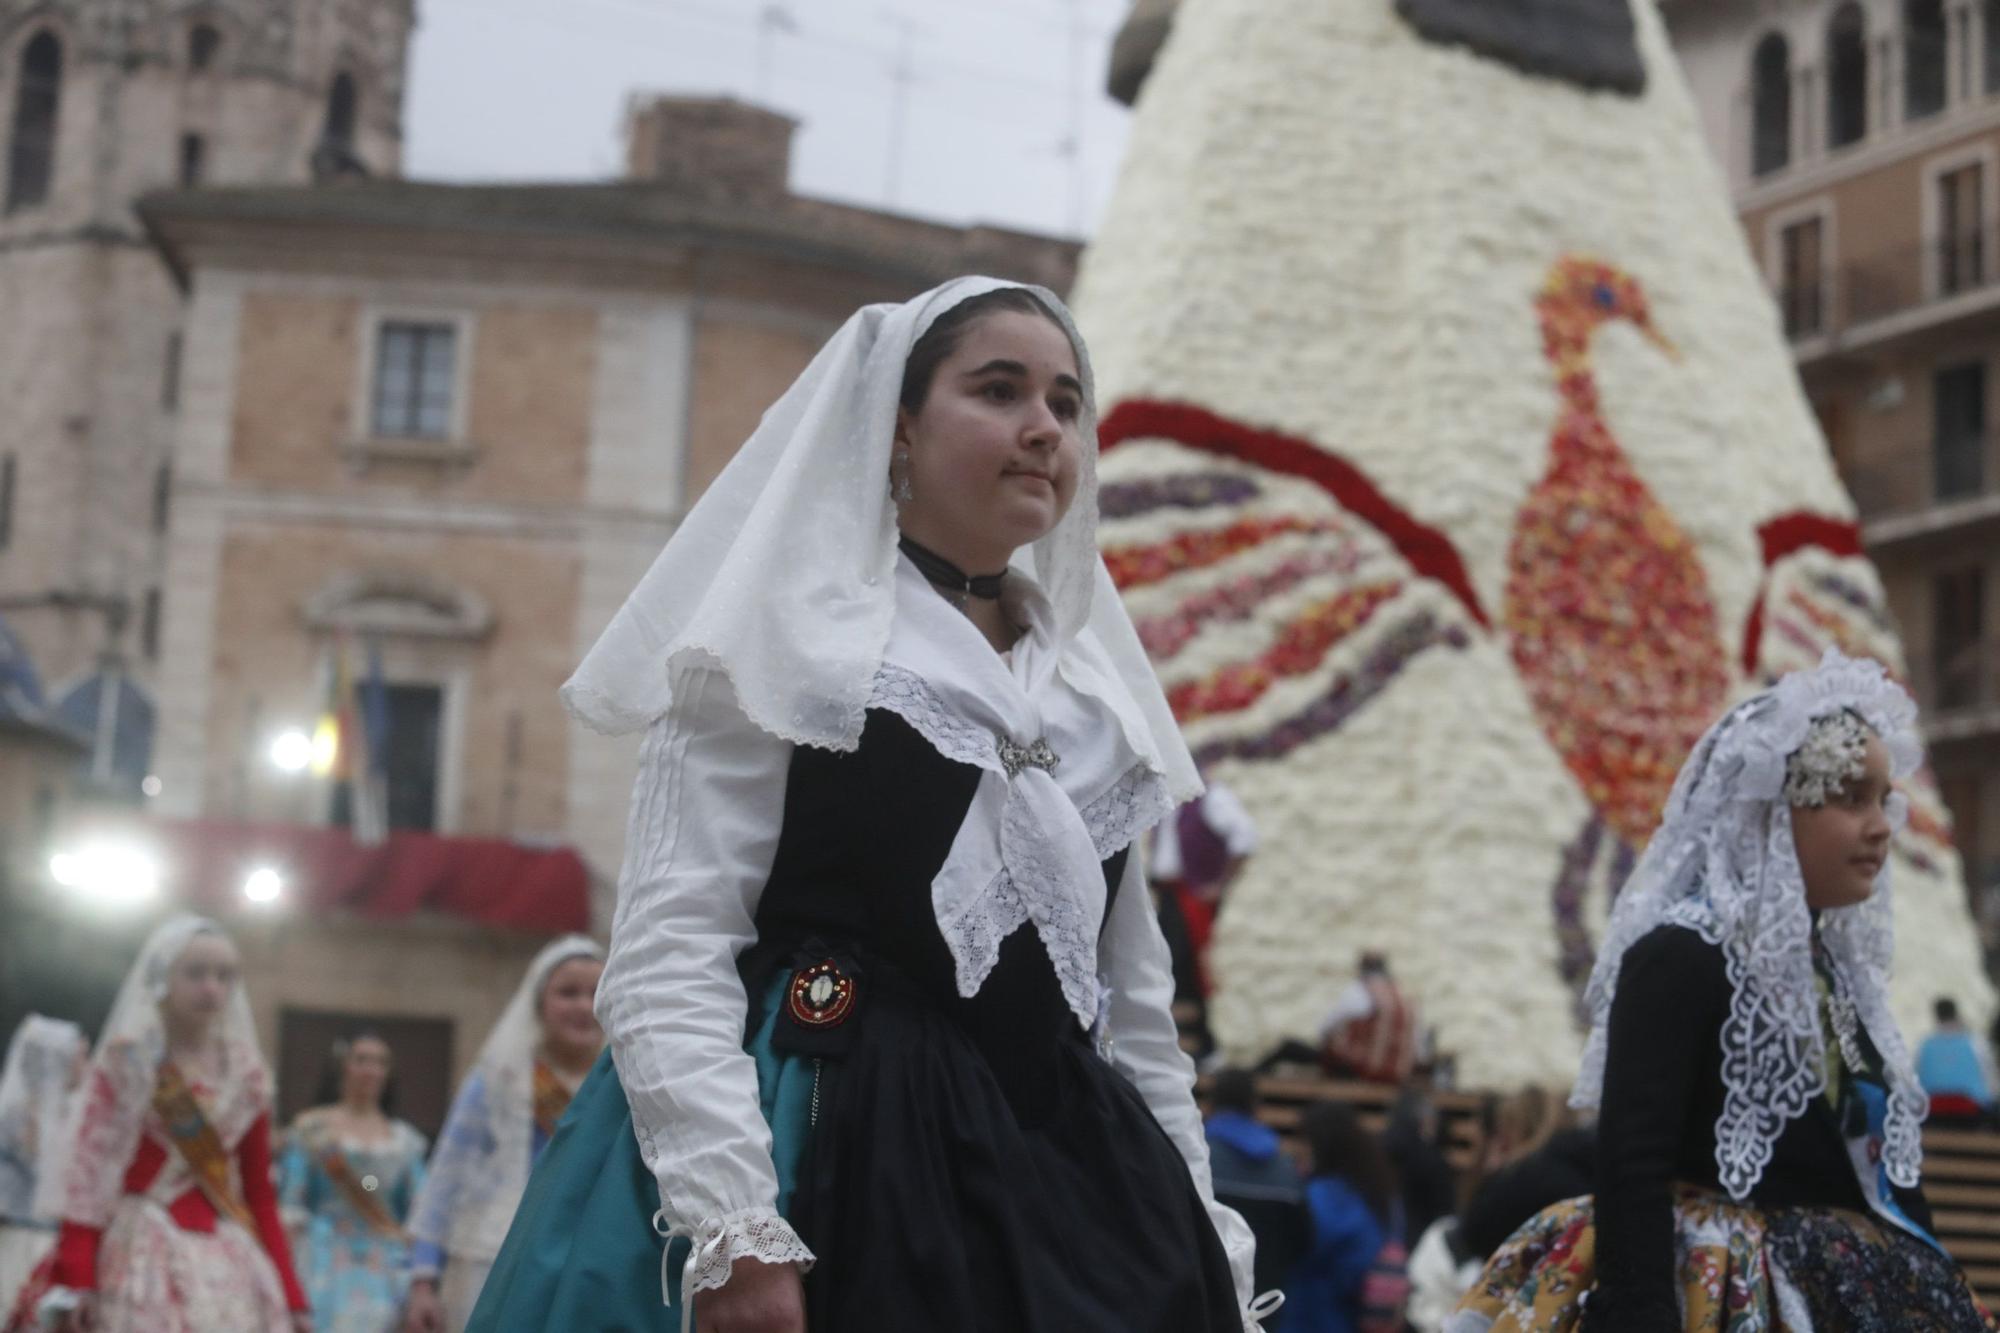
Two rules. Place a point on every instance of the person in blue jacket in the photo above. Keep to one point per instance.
(1351, 1195)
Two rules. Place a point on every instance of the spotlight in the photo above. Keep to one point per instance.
(111, 874)
(292, 751)
(263, 885)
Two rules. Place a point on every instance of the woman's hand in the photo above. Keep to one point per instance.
(426, 1311)
(302, 1321)
(757, 1298)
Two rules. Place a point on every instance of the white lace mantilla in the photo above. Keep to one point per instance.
(1045, 864)
(1723, 864)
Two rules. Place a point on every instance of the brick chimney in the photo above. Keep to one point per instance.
(710, 145)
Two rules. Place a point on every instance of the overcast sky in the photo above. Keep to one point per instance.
(536, 90)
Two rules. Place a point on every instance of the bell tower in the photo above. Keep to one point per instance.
(101, 102)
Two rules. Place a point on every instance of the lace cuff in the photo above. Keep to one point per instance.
(720, 1241)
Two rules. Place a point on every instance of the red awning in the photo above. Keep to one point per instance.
(488, 880)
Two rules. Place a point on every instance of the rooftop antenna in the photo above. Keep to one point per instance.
(771, 20)
(902, 73)
(1072, 143)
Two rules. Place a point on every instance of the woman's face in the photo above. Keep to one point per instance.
(1844, 843)
(365, 1072)
(568, 1019)
(994, 452)
(200, 981)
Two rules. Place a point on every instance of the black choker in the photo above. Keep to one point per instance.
(949, 578)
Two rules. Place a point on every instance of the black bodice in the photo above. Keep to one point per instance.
(865, 833)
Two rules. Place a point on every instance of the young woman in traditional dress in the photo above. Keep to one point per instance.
(502, 1118)
(169, 1219)
(350, 1174)
(1758, 1132)
(879, 891)
(44, 1065)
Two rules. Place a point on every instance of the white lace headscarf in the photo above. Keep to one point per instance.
(37, 1089)
(1723, 863)
(126, 1062)
(506, 1065)
(783, 575)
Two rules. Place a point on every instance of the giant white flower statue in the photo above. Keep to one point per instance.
(1457, 477)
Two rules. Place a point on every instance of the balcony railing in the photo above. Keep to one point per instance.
(1892, 282)
(1958, 680)
(1925, 475)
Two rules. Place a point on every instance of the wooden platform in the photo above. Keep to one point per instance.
(1961, 1167)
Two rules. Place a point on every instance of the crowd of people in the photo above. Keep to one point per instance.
(146, 1189)
(887, 1014)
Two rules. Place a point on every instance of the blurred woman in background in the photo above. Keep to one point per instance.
(350, 1174)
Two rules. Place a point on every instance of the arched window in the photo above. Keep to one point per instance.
(31, 152)
(341, 105)
(203, 44)
(1846, 77)
(1770, 105)
(1923, 58)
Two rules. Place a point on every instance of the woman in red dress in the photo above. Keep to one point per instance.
(169, 1219)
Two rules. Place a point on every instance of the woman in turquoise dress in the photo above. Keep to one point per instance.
(350, 1173)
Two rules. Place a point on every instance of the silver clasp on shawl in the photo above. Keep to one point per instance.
(1014, 757)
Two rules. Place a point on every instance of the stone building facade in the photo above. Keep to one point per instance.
(104, 100)
(1861, 140)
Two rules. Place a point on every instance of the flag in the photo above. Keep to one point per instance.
(371, 758)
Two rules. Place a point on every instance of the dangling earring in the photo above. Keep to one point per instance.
(900, 489)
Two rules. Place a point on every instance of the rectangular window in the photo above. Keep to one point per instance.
(1802, 296)
(415, 371)
(1958, 436)
(163, 496)
(1958, 633)
(1961, 236)
(1961, 795)
(6, 500)
(411, 735)
(149, 626)
(170, 373)
(194, 155)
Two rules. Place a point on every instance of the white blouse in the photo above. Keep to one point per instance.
(703, 834)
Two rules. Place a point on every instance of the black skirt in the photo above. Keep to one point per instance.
(976, 1164)
(939, 1193)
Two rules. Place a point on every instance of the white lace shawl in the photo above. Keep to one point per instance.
(36, 1094)
(1723, 863)
(1042, 820)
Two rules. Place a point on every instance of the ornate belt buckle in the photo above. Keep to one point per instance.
(820, 996)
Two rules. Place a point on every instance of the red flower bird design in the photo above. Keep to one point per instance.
(1607, 606)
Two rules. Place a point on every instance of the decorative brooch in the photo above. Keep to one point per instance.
(1014, 757)
(821, 996)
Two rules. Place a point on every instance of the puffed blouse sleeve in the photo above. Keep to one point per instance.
(1146, 1046)
(702, 836)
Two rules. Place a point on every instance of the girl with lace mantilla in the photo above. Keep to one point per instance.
(886, 996)
(1758, 1149)
(350, 1174)
(501, 1120)
(169, 1219)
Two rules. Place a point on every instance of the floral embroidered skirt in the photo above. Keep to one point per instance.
(1741, 1270)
